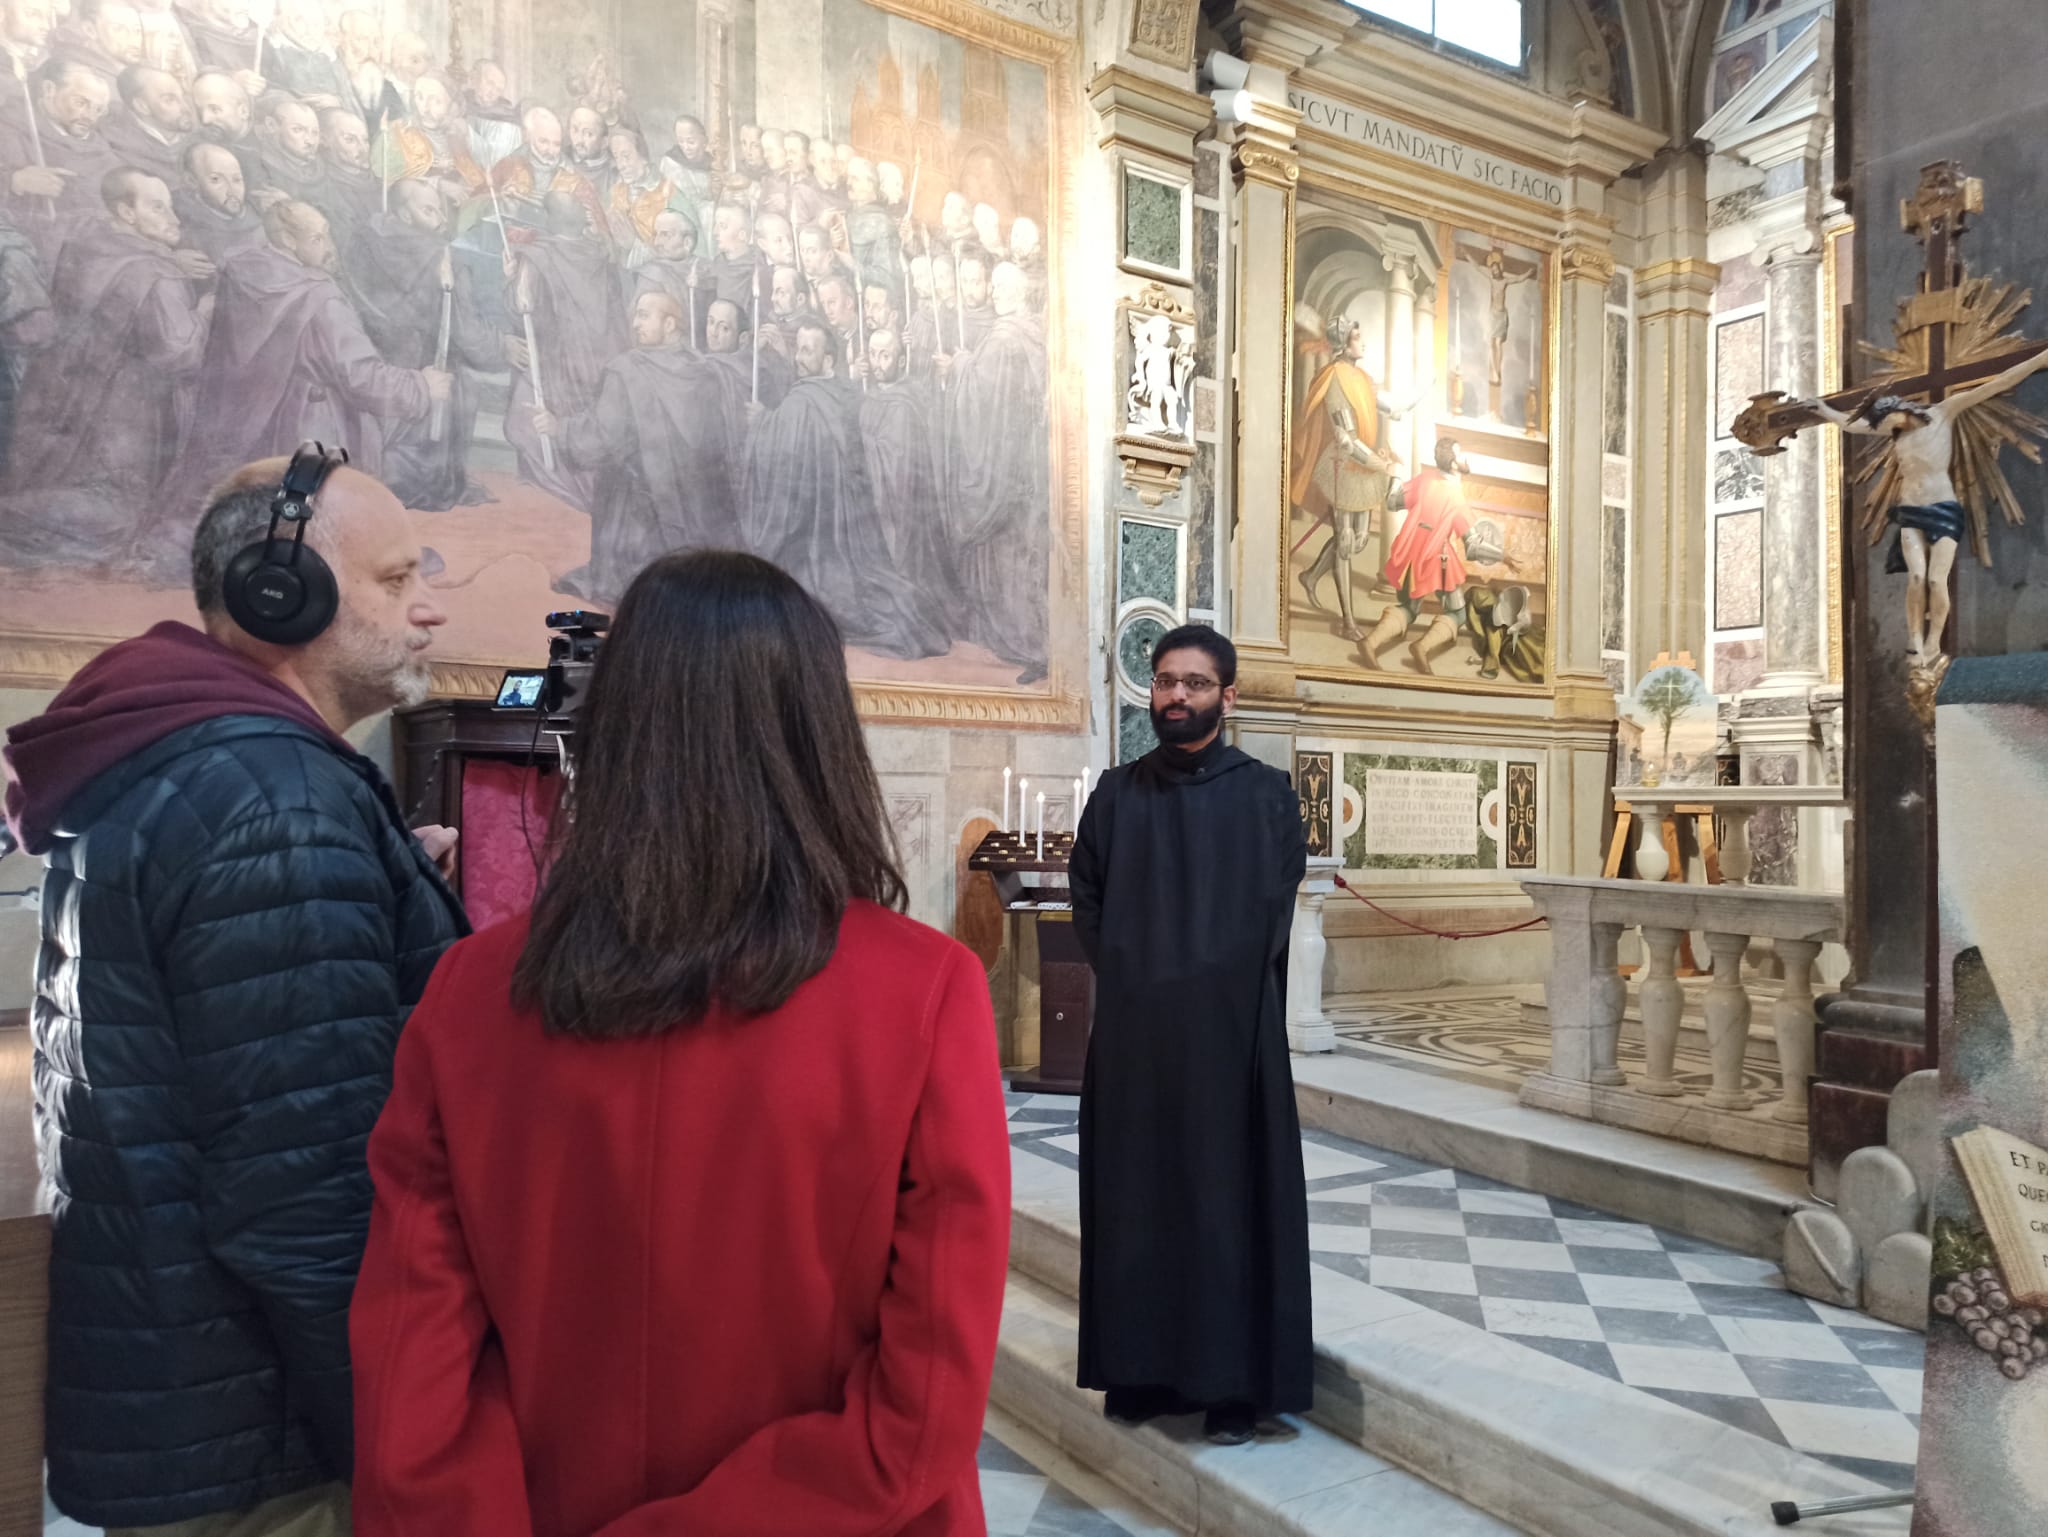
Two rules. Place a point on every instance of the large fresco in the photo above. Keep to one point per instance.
(1418, 481)
(582, 285)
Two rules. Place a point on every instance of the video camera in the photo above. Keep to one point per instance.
(555, 692)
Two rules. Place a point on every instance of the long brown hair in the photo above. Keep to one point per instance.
(724, 810)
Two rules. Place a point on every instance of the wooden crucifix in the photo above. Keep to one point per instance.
(1938, 409)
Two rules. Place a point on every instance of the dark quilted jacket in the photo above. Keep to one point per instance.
(235, 924)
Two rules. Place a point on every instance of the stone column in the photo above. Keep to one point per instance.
(1795, 572)
(1774, 728)
(1674, 303)
(1400, 436)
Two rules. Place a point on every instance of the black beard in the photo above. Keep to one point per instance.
(1190, 728)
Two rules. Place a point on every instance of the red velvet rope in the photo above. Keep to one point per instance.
(1345, 886)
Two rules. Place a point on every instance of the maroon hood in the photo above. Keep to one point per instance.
(130, 697)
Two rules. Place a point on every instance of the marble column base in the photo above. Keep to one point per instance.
(1312, 1036)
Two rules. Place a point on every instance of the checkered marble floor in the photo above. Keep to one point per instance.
(1697, 1325)
(1029, 1488)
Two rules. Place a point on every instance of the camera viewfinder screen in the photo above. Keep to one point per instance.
(521, 690)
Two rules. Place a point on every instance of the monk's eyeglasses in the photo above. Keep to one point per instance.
(1166, 683)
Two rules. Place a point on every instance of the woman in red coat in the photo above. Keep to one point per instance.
(692, 1201)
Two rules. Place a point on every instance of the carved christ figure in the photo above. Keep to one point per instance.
(1500, 277)
(1929, 514)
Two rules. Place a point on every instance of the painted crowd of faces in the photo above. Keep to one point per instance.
(881, 253)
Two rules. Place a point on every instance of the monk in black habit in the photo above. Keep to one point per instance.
(1194, 1211)
(565, 278)
(997, 473)
(212, 205)
(392, 270)
(655, 440)
(903, 472)
(809, 508)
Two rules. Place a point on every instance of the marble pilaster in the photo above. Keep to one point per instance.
(1265, 172)
(1586, 270)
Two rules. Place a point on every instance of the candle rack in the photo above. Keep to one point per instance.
(1031, 882)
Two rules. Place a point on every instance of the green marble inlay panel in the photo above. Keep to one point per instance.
(1356, 767)
(1151, 221)
(1201, 495)
(1147, 566)
(1134, 737)
(1134, 650)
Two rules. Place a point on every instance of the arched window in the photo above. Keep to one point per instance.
(1492, 29)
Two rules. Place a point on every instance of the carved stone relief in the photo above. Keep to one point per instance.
(1164, 31)
(1162, 373)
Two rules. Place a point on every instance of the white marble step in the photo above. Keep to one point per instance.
(1725, 1198)
(1312, 1483)
(1543, 1446)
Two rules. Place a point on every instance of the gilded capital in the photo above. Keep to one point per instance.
(1255, 162)
(1591, 264)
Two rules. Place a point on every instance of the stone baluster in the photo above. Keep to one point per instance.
(1653, 861)
(1727, 1011)
(1792, 1019)
(1735, 857)
(1663, 1002)
(1309, 1029)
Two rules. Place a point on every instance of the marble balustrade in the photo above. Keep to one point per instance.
(1733, 806)
(1587, 994)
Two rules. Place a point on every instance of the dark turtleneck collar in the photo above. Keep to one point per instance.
(1180, 765)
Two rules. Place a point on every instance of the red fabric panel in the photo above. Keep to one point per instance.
(499, 858)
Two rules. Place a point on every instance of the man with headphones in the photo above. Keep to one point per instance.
(236, 921)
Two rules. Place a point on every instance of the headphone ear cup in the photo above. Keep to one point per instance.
(286, 603)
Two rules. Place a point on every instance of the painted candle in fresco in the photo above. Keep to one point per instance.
(788, 288)
(1418, 485)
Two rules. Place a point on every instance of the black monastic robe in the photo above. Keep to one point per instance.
(655, 439)
(579, 325)
(997, 470)
(1194, 1212)
(808, 507)
(391, 272)
(903, 476)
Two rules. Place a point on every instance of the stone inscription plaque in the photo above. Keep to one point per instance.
(1417, 812)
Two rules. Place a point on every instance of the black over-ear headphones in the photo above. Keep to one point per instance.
(278, 589)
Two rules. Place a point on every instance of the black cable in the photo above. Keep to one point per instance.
(433, 779)
(533, 762)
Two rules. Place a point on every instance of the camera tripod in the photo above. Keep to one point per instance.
(1786, 1513)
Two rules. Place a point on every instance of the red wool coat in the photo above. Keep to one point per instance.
(741, 1279)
